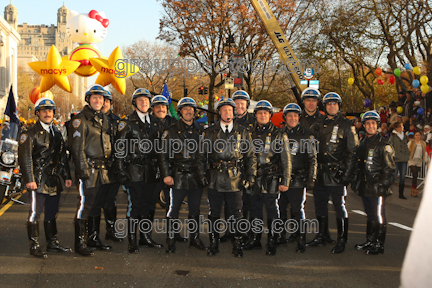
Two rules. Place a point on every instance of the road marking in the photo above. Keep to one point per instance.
(309, 194)
(359, 212)
(8, 205)
(401, 226)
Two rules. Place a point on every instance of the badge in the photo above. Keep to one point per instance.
(76, 134)
(121, 125)
(23, 138)
(165, 134)
(76, 123)
(285, 138)
(238, 142)
(334, 134)
(353, 130)
(267, 144)
(388, 148)
(294, 148)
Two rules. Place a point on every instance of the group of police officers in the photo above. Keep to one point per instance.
(239, 180)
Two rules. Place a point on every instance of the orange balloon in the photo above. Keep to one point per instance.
(34, 94)
(378, 71)
(277, 118)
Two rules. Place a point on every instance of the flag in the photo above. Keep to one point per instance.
(171, 108)
(11, 108)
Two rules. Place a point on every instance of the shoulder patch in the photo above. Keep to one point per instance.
(353, 129)
(388, 148)
(121, 125)
(76, 134)
(23, 138)
(76, 123)
(165, 134)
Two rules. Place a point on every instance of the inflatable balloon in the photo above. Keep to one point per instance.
(380, 82)
(399, 110)
(350, 81)
(378, 71)
(397, 72)
(392, 79)
(82, 54)
(87, 28)
(277, 118)
(420, 111)
(367, 103)
(407, 66)
(424, 88)
(417, 70)
(113, 70)
(415, 83)
(34, 94)
(424, 80)
(54, 71)
(417, 103)
(47, 94)
(361, 115)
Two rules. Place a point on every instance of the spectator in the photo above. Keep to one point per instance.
(402, 96)
(361, 135)
(384, 130)
(406, 123)
(383, 115)
(418, 155)
(408, 105)
(429, 116)
(393, 115)
(410, 136)
(399, 143)
(427, 134)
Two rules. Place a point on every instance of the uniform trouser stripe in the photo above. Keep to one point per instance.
(302, 211)
(33, 207)
(82, 199)
(343, 202)
(130, 203)
(171, 203)
(379, 210)
(277, 205)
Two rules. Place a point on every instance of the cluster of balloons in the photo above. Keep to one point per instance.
(35, 94)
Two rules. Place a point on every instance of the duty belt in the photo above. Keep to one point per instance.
(183, 167)
(223, 165)
(329, 166)
(143, 161)
(97, 163)
(267, 169)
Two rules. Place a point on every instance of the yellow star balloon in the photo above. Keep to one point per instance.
(54, 71)
(114, 70)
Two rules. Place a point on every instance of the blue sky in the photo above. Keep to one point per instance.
(130, 21)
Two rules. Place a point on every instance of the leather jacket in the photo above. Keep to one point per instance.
(248, 121)
(338, 142)
(165, 123)
(273, 161)
(307, 121)
(228, 168)
(42, 159)
(302, 146)
(375, 171)
(181, 163)
(114, 121)
(90, 146)
(137, 161)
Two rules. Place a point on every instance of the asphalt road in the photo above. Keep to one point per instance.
(317, 267)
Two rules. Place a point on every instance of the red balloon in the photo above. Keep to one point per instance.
(392, 79)
(380, 82)
(34, 94)
(378, 71)
(277, 118)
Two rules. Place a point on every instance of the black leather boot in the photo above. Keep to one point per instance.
(133, 224)
(319, 239)
(342, 225)
(271, 239)
(249, 234)
(170, 240)
(401, 191)
(80, 238)
(378, 247)
(195, 241)
(53, 244)
(238, 244)
(327, 236)
(281, 237)
(214, 237)
(110, 216)
(93, 238)
(370, 228)
(145, 238)
(228, 235)
(33, 236)
(301, 242)
(255, 241)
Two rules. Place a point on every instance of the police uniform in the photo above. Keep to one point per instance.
(273, 165)
(181, 165)
(307, 120)
(338, 142)
(376, 173)
(42, 158)
(226, 171)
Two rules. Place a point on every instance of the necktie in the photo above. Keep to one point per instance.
(52, 130)
(226, 130)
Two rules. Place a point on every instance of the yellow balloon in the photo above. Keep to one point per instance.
(195, 78)
(54, 71)
(350, 81)
(114, 70)
(399, 110)
(47, 94)
(424, 88)
(416, 70)
(424, 80)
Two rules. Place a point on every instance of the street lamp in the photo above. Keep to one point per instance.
(228, 43)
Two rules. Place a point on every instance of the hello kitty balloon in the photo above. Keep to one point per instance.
(87, 28)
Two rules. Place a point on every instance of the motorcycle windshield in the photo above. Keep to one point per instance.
(9, 137)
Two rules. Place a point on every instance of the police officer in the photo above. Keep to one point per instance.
(304, 168)
(137, 167)
(273, 162)
(338, 142)
(226, 159)
(182, 177)
(108, 192)
(42, 158)
(311, 113)
(376, 173)
(242, 101)
(159, 106)
(90, 146)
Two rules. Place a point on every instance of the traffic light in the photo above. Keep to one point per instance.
(201, 90)
(205, 90)
(185, 92)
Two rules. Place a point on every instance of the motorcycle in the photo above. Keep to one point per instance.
(10, 176)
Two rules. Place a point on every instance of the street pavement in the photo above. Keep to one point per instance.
(190, 267)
